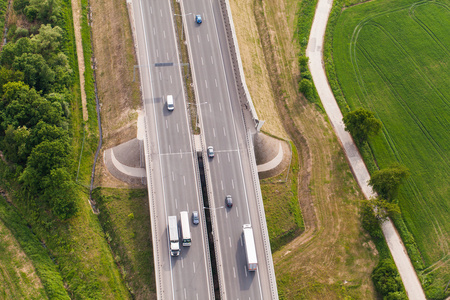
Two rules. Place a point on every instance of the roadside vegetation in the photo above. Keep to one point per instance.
(41, 137)
(3, 12)
(283, 216)
(125, 218)
(332, 257)
(397, 70)
(27, 271)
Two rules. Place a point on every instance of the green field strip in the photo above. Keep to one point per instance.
(414, 86)
(403, 77)
(404, 104)
(425, 26)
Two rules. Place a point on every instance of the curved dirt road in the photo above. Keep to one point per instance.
(314, 52)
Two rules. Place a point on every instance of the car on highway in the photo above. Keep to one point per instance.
(229, 201)
(198, 19)
(210, 151)
(170, 104)
(195, 218)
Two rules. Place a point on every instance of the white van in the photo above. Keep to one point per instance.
(170, 105)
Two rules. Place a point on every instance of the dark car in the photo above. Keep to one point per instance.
(198, 19)
(195, 219)
(229, 201)
(210, 152)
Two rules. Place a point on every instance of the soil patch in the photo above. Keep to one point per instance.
(119, 95)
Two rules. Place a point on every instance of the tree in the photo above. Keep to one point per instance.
(12, 50)
(48, 39)
(15, 144)
(19, 5)
(60, 65)
(362, 124)
(22, 106)
(45, 157)
(369, 220)
(47, 132)
(46, 11)
(303, 62)
(59, 193)
(49, 155)
(36, 71)
(386, 182)
(7, 75)
(387, 280)
(17, 91)
(306, 88)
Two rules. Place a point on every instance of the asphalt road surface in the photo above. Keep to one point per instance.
(229, 172)
(173, 183)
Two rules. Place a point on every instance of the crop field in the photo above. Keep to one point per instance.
(393, 58)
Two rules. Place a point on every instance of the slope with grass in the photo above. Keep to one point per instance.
(392, 57)
(331, 258)
(18, 276)
(125, 218)
(283, 215)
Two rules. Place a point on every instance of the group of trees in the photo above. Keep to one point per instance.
(387, 281)
(386, 182)
(35, 77)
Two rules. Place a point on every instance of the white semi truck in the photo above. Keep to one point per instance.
(250, 249)
(173, 236)
(185, 230)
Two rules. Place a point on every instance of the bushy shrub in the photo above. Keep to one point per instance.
(387, 280)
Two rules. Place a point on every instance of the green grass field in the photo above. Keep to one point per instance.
(26, 268)
(280, 197)
(125, 218)
(393, 58)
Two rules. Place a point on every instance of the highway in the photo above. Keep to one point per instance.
(171, 165)
(229, 171)
(170, 156)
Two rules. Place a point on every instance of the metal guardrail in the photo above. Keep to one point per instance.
(236, 59)
(262, 217)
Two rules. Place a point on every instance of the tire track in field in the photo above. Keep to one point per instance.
(397, 96)
(412, 184)
(401, 101)
(355, 35)
(412, 14)
(402, 49)
(416, 119)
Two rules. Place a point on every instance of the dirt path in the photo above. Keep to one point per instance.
(76, 12)
(314, 52)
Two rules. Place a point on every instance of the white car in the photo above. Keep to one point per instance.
(210, 152)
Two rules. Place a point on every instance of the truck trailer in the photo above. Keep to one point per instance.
(250, 249)
(173, 236)
(185, 230)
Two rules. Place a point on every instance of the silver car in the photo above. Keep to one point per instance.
(195, 219)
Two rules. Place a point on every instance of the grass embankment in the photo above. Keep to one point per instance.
(78, 247)
(125, 218)
(118, 81)
(333, 258)
(27, 271)
(284, 217)
(398, 68)
(85, 133)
